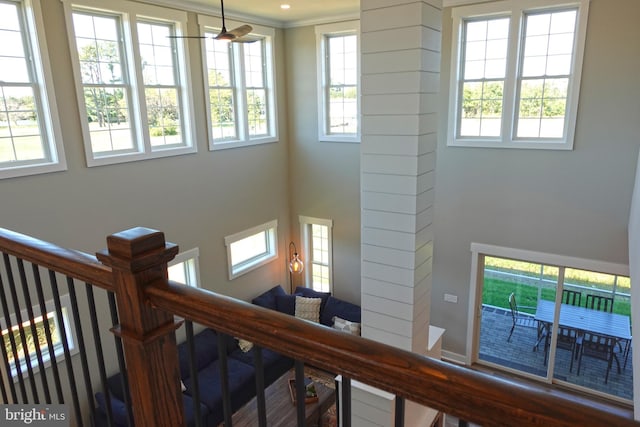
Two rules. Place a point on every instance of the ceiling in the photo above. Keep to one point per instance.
(302, 12)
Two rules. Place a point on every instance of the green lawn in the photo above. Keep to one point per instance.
(496, 292)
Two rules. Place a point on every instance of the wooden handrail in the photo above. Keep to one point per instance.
(76, 264)
(468, 394)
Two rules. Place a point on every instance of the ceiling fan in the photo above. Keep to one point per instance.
(235, 35)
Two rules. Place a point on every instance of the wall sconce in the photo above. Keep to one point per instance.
(295, 264)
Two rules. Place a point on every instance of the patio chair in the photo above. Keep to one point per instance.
(600, 303)
(567, 340)
(519, 319)
(599, 347)
(572, 297)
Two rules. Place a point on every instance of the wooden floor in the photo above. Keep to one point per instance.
(281, 412)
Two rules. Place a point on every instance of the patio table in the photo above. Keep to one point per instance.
(585, 319)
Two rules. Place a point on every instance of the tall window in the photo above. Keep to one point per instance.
(184, 268)
(240, 85)
(516, 74)
(30, 140)
(133, 94)
(317, 244)
(21, 346)
(252, 248)
(338, 85)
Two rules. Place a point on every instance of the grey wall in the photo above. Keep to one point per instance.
(324, 176)
(195, 199)
(573, 203)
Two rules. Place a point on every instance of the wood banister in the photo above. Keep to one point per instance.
(76, 264)
(470, 395)
(138, 258)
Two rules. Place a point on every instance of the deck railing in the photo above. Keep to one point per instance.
(133, 272)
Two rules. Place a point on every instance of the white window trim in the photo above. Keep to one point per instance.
(70, 331)
(271, 230)
(515, 10)
(212, 24)
(49, 114)
(142, 146)
(189, 255)
(347, 27)
(305, 235)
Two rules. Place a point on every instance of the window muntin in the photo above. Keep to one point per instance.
(516, 74)
(133, 95)
(29, 127)
(184, 268)
(338, 85)
(240, 84)
(14, 344)
(317, 244)
(252, 248)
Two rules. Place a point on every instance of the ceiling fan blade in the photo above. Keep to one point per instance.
(242, 30)
(188, 37)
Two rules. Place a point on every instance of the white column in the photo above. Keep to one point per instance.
(400, 44)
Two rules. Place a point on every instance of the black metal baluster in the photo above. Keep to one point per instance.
(47, 328)
(62, 326)
(95, 328)
(23, 338)
(193, 372)
(224, 379)
(121, 364)
(80, 335)
(260, 398)
(346, 401)
(47, 331)
(399, 418)
(5, 356)
(26, 295)
(301, 393)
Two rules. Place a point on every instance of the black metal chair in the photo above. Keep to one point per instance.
(519, 319)
(567, 339)
(571, 297)
(599, 347)
(600, 303)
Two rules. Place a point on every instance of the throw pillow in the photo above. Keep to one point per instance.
(308, 308)
(310, 293)
(342, 309)
(286, 304)
(268, 298)
(244, 345)
(346, 326)
(182, 386)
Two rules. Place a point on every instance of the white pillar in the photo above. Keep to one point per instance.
(400, 44)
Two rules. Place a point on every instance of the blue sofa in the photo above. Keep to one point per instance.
(240, 363)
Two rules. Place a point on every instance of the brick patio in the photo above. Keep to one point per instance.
(519, 354)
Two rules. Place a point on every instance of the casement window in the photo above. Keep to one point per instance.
(338, 50)
(252, 248)
(22, 347)
(184, 268)
(318, 250)
(516, 74)
(240, 86)
(132, 80)
(30, 137)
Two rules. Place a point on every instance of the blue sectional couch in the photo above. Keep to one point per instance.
(240, 363)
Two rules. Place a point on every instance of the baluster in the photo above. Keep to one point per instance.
(346, 400)
(14, 353)
(224, 379)
(193, 372)
(81, 345)
(124, 379)
(301, 393)
(260, 397)
(399, 416)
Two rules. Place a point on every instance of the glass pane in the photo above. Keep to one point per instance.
(222, 114)
(248, 248)
(163, 116)
(510, 335)
(257, 112)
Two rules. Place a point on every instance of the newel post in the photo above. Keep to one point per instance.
(138, 258)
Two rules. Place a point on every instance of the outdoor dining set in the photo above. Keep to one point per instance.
(591, 330)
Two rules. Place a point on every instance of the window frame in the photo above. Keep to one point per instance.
(210, 24)
(517, 13)
(70, 331)
(190, 264)
(322, 34)
(35, 42)
(130, 14)
(271, 239)
(306, 236)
